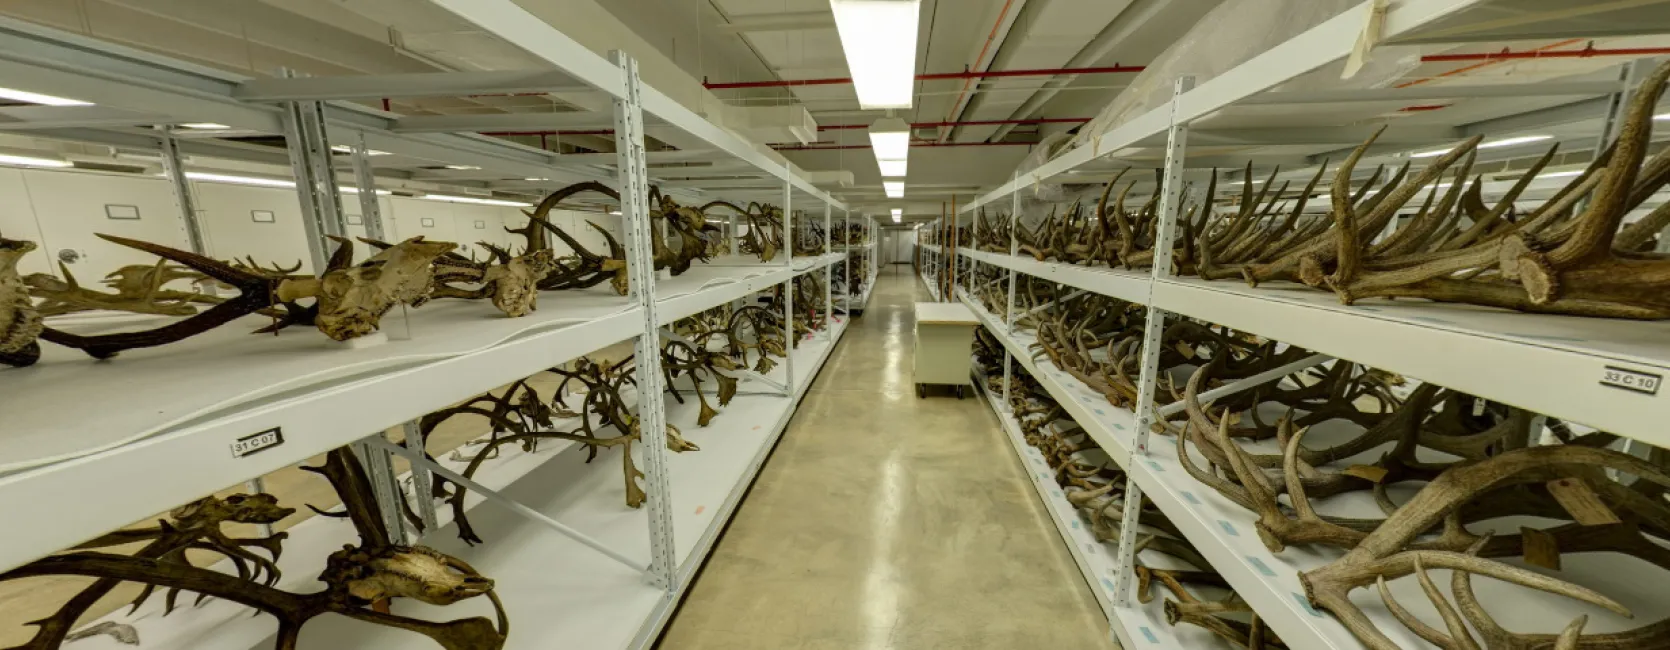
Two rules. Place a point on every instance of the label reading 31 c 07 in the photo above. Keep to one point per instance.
(257, 442)
(1632, 380)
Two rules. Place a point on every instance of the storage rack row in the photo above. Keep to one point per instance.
(1553, 365)
(865, 268)
(164, 424)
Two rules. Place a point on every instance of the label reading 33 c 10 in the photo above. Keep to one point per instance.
(257, 442)
(1631, 380)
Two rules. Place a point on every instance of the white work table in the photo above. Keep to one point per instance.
(944, 345)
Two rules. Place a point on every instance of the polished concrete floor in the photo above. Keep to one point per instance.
(886, 521)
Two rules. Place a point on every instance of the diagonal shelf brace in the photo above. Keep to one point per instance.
(514, 505)
(1248, 382)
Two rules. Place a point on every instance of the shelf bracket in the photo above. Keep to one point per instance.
(422, 484)
(308, 142)
(514, 505)
(184, 198)
(1239, 385)
(379, 469)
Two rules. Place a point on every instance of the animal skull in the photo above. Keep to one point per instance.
(415, 572)
(353, 300)
(19, 322)
(515, 283)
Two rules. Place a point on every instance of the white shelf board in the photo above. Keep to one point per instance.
(930, 247)
(576, 598)
(182, 405)
(1113, 428)
(1544, 363)
(1136, 628)
(1130, 286)
(1224, 532)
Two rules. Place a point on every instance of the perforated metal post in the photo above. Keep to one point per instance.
(310, 161)
(423, 486)
(640, 267)
(846, 265)
(258, 485)
(379, 469)
(788, 290)
(371, 212)
(184, 199)
(1014, 249)
(1171, 199)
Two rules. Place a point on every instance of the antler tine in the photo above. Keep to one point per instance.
(211, 267)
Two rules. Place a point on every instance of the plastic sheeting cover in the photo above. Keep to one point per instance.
(1225, 37)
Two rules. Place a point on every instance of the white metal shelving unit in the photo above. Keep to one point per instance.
(167, 415)
(1499, 355)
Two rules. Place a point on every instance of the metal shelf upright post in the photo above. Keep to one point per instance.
(633, 172)
(788, 288)
(1171, 201)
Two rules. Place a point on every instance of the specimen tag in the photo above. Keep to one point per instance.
(1540, 548)
(1581, 502)
(1631, 380)
(257, 442)
(1368, 473)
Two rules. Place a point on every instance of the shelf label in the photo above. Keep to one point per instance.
(257, 442)
(1631, 380)
(1261, 566)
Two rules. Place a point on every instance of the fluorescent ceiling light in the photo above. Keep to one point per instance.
(37, 98)
(342, 148)
(892, 167)
(355, 190)
(879, 38)
(1564, 174)
(894, 189)
(31, 161)
(461, 167)
(1662, 116)
(898, 212)
(1505, 142)
(536, 179)
(239, 180)
(207, 126)
(470, 199)
(890, 139)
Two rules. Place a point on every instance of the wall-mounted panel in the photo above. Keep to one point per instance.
(17, 221)
(236, 224)
(72, 207)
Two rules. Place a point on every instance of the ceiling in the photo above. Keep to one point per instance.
(972, 133)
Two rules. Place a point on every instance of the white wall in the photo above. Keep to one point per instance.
(63, 209)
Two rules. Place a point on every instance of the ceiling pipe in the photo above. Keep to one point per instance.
(986, 59)
(969, 74)
(1586, 52)
(1132, 20)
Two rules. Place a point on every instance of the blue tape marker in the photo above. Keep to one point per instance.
(1261, 566)
(1155, 466)
(1098, 411)
(1106, 584)
(1149, 634)
(1228, 528)
(1075, 524)
(1118, 426)
(1305, 603)
(1190, 497)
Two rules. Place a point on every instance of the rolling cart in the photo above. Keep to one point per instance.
(944, 345)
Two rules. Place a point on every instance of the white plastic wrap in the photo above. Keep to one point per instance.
(1225, 37)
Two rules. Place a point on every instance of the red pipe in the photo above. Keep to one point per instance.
(1590, 51)
(966, 74)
